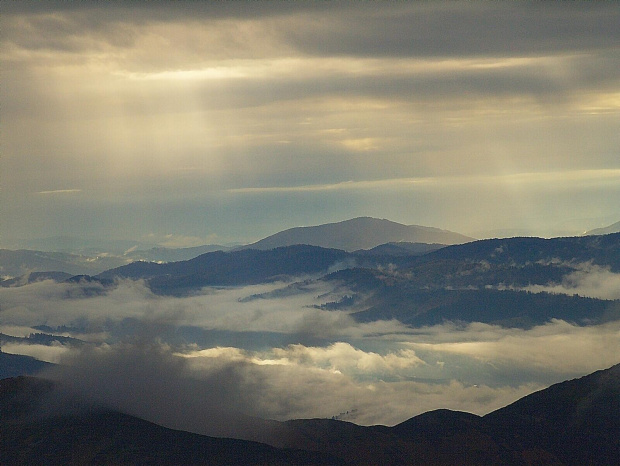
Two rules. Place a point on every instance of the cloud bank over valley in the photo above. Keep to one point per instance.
(267, 350)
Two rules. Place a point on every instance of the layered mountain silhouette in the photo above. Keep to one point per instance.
(34, 277)
(603, 250)
(43, 425)
(573, 422)
(358, 233)
(75, 256)
(480, 281)
(363, 235)
(527, 255)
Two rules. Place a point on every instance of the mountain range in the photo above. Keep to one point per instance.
(364, 236)
(573, 422)
(350, 235)
(482, 281)
(486, 281)
(509, 285)
(376, 236)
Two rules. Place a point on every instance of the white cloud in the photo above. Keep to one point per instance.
(556, 347)
(47, 353)
(588, 280)
(60, 191)
(339, 357)
(184, 241)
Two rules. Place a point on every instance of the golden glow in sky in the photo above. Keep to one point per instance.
(214, 121)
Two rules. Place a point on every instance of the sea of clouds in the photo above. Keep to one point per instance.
(228, 353)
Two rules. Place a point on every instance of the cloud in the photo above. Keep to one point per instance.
(58, 304)
(200, 361)
(213, 390)
(341, 29)
(183, 241)
(182, 109)
(60, 191)
(217, 394)
(339, 357)
(225, 309)
(532, 179)
(147, 380)
(48, 353)
(588, 280)
(556, 347)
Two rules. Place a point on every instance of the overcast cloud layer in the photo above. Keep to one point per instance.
(229, 122)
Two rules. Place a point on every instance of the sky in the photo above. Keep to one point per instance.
(190, 123)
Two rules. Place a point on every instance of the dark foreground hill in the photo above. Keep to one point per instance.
(574, 422)
(41, 426)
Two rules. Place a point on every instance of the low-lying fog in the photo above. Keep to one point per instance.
(276, 355)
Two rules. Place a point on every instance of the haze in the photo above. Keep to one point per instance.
(193, 123)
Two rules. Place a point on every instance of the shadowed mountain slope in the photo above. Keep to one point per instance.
(578, 421)
(573, 422)
(232, 268)
(12, 365)
(39, 427)
(34, 277)
(398, 249)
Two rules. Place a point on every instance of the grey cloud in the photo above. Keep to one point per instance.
(545, 78)
(470, 29)
(146, 380)
(164, 11)
(220, 395)
(200, 392)
(354, 29)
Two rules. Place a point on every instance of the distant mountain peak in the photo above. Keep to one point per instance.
(359, 233)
